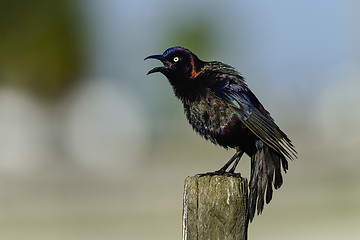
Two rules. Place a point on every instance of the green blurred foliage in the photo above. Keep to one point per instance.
(195, 33)
(40, 46)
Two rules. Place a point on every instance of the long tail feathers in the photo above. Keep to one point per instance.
(265, 172)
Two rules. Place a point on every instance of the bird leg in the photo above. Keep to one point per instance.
(238, 157)
(222, 171)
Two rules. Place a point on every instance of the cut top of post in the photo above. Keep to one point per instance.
(215, 207)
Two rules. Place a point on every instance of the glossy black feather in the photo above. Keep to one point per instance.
(220, 107)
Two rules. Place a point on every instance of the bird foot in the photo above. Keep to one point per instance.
(220, 172)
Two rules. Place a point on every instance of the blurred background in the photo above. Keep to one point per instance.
(92, 148)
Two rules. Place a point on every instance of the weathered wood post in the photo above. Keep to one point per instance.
(214, 207)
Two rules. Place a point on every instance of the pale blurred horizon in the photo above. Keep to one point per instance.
(92, 148)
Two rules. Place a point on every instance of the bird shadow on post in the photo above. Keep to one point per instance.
(215, 207)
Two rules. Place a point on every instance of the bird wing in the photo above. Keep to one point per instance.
(254, 116)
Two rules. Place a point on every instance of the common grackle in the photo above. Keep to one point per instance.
(221, 108)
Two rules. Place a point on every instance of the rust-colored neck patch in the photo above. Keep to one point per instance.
(194, 72)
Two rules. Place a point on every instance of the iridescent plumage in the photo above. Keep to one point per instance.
(221, 108)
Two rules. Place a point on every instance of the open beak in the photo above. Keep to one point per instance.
(158, 69)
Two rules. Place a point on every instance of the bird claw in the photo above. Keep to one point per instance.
(220, 172)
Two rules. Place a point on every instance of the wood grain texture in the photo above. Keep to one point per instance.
(214, 207)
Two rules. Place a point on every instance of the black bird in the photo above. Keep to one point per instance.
(221, 108)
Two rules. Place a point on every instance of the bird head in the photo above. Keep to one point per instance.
(179, 63)
(182, 69)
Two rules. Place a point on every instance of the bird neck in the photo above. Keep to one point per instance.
(196, 66)
(188, 90)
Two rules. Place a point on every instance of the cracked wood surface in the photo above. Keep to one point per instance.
(214, 207)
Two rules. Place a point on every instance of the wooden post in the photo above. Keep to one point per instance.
(214, 207)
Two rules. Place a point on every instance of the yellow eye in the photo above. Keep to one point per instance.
(176, 59)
